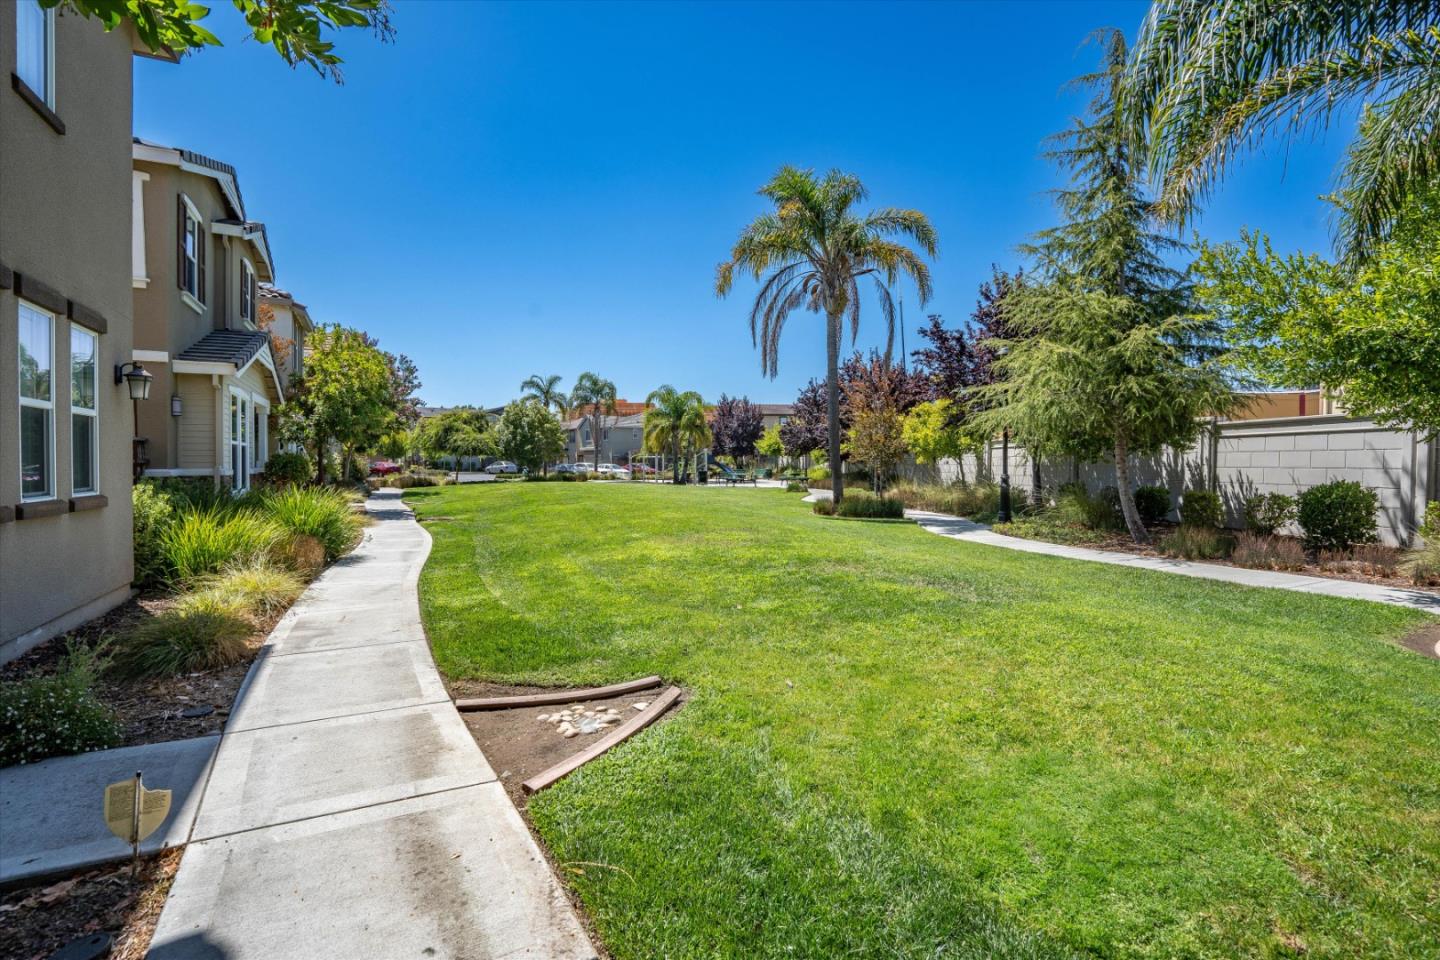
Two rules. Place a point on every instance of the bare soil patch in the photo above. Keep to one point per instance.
(1425, 641)
(150, 710)
(518, 744)
(38, 919)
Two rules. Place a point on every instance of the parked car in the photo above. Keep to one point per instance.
(502, 466)
(644, 469)
(613, 471)
(581, 468)
(563, 468)
(382, 468)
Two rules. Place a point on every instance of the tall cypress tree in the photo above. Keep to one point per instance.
(1103, 355)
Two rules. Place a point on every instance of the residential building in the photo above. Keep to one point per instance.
(65, 322)
(1272, 404)
(773, 414)
(198, 264)
(621, 438)
(288, 322)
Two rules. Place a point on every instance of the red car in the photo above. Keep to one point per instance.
(382, 467)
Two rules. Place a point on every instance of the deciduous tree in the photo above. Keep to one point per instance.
(735, 425)
(530, 435)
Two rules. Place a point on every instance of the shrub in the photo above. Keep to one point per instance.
(1430, 523)
(818, 474)
(200, 632)
(1075, 507)
(311, 512)
(302, 554)
(207, 541)
(1152, 503)
(1049, 526)
(1262, 552)
(1200, 508)
(1337, 515)
(959, 499)
(857, 503)
(1193, 542)
(153, 517)
(57, 714)
(405, 481)
(288, 467)
(795, 486)
(1376, 559)
(1267, 512)
(261, 588)
(1423, 566)
(200, 493)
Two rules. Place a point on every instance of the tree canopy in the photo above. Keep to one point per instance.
(675, 424)
(1103, 355)
(811, 253)
(346, 395)
(294, 28)
(530, 435)
(1372, 335)
(735, 425)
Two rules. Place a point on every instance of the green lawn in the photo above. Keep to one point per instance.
(905, 746)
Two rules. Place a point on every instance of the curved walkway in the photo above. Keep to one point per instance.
(957, 528)
(348, 812)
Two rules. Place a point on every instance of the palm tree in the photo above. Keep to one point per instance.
(1207, 79)
(597, 393)
(675, 420)
(545, 391)
(815, 249)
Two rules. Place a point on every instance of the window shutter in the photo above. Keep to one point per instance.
(180, 241)
(200, 244)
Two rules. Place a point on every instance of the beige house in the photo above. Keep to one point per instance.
(197, 268)
(288, 322)
(621, 438)
(65, 322)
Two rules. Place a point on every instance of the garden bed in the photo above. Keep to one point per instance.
(39, 918)
(1121, 542)
(148, 709)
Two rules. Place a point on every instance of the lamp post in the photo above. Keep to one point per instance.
(1004, 516)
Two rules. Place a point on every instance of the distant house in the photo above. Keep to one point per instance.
(775, 413)
(65, 321)
(1273, 404)
(198, 264)
(287, 320)
(621, 438)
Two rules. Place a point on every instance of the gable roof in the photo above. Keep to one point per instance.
(268, 291)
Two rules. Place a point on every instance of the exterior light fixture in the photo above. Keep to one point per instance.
(176, 406)
(136, 378)
(1004, 513)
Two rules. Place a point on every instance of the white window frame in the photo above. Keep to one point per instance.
(192, 253)
(47, 405)
(48, 81)
(247, 293)
(93, 414)
(239, 453)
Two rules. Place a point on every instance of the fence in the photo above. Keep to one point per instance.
(1244, 457)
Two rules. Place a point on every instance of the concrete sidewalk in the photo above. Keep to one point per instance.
(348, 811)
(957, 528)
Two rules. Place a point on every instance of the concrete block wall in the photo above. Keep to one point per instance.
(1242, 458)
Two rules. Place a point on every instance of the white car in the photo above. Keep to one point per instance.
(613, 471)
(502, 466)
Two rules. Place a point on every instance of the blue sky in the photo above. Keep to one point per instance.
(547, 188)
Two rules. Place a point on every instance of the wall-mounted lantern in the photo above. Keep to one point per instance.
(176, 406)
(136, 378)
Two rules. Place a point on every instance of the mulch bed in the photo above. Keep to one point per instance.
(39, 918)
(149, 710)
(1121, 542)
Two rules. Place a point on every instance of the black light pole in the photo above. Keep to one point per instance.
(1005, 476)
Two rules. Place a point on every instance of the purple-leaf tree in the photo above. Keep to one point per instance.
(736, 425)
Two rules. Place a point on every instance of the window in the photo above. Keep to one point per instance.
(37, 403)
(247, 293)
(190, 272)
(84, 412)
(35, 49)
(239, 442)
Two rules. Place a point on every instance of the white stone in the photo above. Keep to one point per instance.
(567, 734)
(639, 706)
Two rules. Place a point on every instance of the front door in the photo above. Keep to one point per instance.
(239, 442)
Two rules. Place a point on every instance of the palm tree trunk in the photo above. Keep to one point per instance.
(832, 400)
(1127, 496)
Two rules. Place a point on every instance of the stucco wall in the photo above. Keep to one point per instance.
(1246, 457)
(65, 221)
